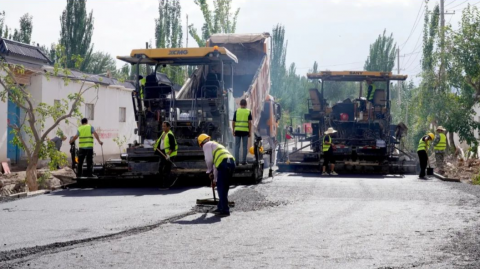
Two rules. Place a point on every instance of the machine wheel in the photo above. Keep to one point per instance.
(257, 174)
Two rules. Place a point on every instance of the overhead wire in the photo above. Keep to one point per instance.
(459, 4)
(415, 24)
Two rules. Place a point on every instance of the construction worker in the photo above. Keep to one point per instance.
(370, 90)
(422, 149)
(85, 133)
(241, 125)
(440, 145)
(142, 82)
(57, 142)
(166, 146)
(327, 149)
(220, 168)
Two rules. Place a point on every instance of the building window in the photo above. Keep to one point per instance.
(123, 114)
(89, 111)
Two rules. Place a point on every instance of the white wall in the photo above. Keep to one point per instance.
(3, 129)
(107, 100)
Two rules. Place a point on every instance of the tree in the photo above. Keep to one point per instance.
(24, 34)
(382, 54)
(169, 34)
(219, 20)
(101, 63)
(462, 85)
(32, 131)
(76, 33)
(2, 25)
(278, 59)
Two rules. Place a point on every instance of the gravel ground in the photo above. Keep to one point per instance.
(295, 222)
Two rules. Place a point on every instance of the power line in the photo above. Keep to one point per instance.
(415, 24)
(451, 3)
(459, 4)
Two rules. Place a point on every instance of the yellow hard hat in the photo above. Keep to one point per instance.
(253, 152)
(432, 136)
(201, 138)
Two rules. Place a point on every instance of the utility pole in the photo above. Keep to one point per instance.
(443, 12)
(186, 31)
(399, 84)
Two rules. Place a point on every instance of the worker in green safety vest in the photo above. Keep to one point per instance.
(167, 147)
(142, 81)
(327, 149)
(85, 133)
(422, 149)
(371, 89)
(241, 126)
(220, 168)
(440, 145)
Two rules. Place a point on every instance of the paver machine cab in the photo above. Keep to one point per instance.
(366, 140)
(207, 109)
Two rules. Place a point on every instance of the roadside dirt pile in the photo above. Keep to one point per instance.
(15, 182)
(463, 170)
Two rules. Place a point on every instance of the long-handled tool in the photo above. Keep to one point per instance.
(103, 157)
(164, 156)
(214, 201)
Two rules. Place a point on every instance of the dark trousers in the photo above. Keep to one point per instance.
(82, 154)
(423, 158)
(328, 157)
(164, 168)
(225, 172)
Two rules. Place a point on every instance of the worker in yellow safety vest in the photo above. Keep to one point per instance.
(422, 149)
(167, 147)
(440, 145)
(327, 149)
(85, 133)
(241, 126)
(142, 81)
(220, 168)
(370, 90)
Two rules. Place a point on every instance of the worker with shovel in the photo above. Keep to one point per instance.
(167, 147)
(422, 149)
(220, 168)
(85, 133)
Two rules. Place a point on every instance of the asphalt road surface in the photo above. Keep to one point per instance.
(292, 221)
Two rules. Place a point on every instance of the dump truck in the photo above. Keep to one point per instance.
(366, 139)
(251, 81)
(204, 104)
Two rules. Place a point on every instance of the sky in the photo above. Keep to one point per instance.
(335, 33)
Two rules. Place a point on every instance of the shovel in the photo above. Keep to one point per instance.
(164, 156)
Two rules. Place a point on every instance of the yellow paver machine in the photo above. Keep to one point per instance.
(366, 140)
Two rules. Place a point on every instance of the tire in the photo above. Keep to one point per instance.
(257, 176)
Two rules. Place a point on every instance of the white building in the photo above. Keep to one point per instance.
(108, 108)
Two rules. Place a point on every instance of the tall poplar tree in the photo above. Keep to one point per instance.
(76, 33)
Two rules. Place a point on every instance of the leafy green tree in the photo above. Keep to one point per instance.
(169, 34)
(462, 61)
(3, 31)
(278, 59)
(382, 54)
(24, 34)
(76, 33)
(219, 20)
(32, 131)
(101, 63)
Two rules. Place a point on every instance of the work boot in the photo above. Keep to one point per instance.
(333, 173)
